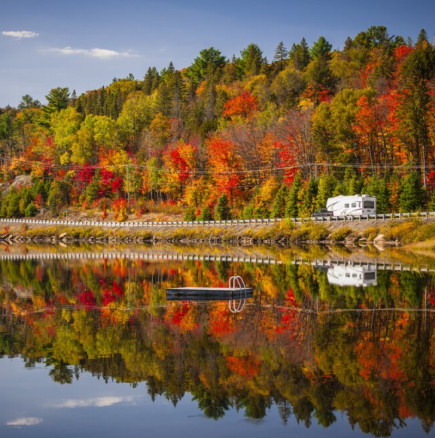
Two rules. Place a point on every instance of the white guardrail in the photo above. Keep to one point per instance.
(144, 224)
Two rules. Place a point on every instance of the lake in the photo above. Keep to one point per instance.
(327, 345)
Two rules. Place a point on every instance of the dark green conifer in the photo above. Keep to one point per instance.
(292, 208)
(222, 210)
(413, 194)
(280, 202)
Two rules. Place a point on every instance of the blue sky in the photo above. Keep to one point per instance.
(83, 44)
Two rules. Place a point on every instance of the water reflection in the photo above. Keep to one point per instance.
(352, 276)
(305, 344)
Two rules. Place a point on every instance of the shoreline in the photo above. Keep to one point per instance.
(390, 232)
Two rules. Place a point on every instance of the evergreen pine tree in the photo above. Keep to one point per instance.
(309, 201)
(189, 214)
(57, 197)
(292, 208)
(383, 197)
(339, 189)
(371, 187)
(93, 189)
(248, 212)
(431, 204)
(12, 204)
(31, 210)
(222, 210)
(349, 181)
(326, 189)
(206, 214)
(413, 195)
(300, 55)
(281, 55)
(280, 201)
(148, 82)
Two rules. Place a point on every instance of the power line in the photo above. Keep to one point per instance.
(210, 172)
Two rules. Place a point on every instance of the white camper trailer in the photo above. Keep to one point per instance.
(355, 205)
(352, 276)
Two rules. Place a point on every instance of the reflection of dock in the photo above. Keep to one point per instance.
(207, 293)
(236, 293)
(163, 256)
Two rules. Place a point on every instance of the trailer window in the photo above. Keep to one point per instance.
(346, 205)
(353, 204)
(370, 276)
(368, 204)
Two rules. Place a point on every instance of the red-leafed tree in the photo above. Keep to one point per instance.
(297, 148)
(243, 105)
(225, 166)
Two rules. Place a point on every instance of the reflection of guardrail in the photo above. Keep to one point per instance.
(138, 256)
(376, 266)
(154, 256)
(223, 223)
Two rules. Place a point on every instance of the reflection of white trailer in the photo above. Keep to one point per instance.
(352, 276)
(356, 205)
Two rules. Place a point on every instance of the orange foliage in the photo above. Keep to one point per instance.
(225, 165)
(243, 105)
(247, 366)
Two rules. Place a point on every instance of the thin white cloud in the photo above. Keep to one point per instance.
(99, 402)
(25, 421)
(20, 33)
(94, 53)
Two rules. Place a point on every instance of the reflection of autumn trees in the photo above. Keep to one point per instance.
(111, 319)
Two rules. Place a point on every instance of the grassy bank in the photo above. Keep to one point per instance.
(285, 232)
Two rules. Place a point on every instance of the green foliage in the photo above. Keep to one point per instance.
(413, 195)
(251, 60)
(340, 234)
(292, 207)
(57, 100)
(93, 189)
(206, 214)
(364, 108)
(321, 48)
(308, 206)
(57, 197)
(326, 189)
(189, 214)
(16, 202)
(281, 55)
(31, 210)
(206, 63)
(12, 204)
(248, 212)
(300, 55)
(280, 202)
(222, 210)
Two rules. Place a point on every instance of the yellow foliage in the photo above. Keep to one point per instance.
(306, 104)
(196, 192)
(268, 189)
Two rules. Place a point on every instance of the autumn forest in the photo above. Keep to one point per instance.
(242, 137)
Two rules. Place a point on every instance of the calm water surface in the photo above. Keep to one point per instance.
(93, 348)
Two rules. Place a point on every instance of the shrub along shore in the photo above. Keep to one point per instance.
(391, 232)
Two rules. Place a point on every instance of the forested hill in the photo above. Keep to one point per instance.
(242, 136)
